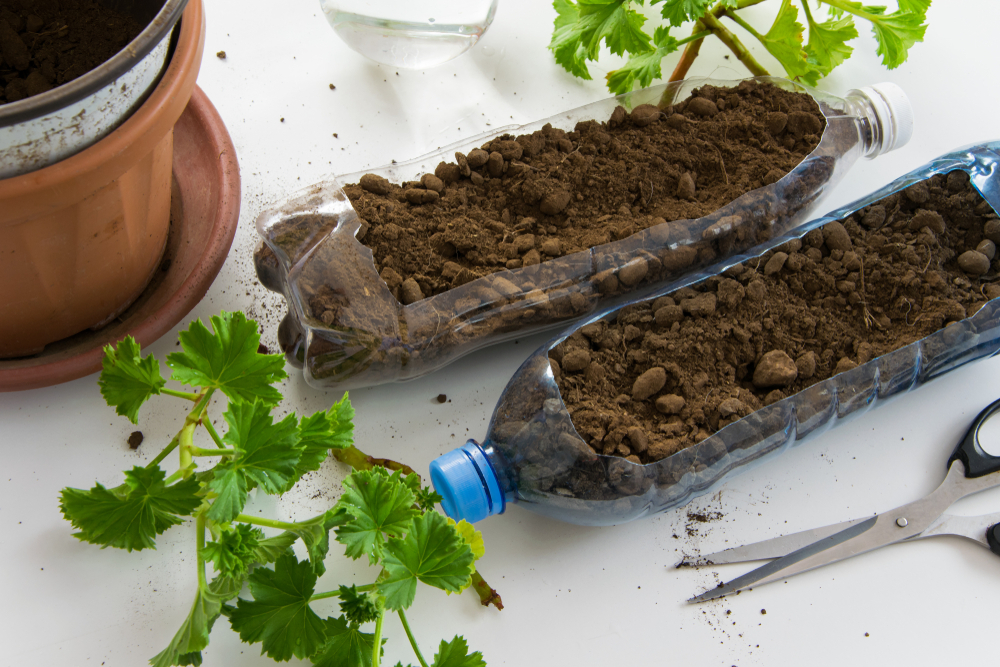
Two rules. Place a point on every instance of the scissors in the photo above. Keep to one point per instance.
(970, 470)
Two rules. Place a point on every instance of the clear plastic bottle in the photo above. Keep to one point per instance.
(371, 337)
(410, 33)
(534, 456)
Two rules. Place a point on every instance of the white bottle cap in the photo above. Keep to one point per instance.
(893, 113)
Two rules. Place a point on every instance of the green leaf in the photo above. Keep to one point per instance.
(472, 537)
(566, 44)
(581, 27)
(273, 548)
(456, 654)
(266, 456)
(315, 534)
(234, 552)
(895, 34)
(226, 587)
(682, 11)
(827, 47)
(914, 6)
(616, 23)
(192, 637)
(784, 42)
(130, 516)
(279, 615)
(228, 360)
(427, 498)
(358, 607)
(127, 379)
(643, 68)
(323, 431)
(432, 552)
(346, 646)
(378, 504)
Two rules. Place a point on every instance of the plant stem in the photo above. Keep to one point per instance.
(733, 42)
(358, 460)
(268, 523)
(176, 476)
(180, 394)
(852, 9)
(207, 423)
(336, 594)
(692, 49)
(198, 451)
(746, 26)
(200, 528)
(488, 596)
(413, 641)
(684, 64)
(186, 437)
(166, 451)
(377, 645)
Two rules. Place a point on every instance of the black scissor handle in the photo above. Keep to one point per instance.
(993, 538)
(970, 452)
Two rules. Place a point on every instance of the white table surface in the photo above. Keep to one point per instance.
(573, 595)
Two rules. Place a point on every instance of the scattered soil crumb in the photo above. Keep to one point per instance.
(221, 55)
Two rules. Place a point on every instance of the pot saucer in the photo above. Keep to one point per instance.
(204, 211)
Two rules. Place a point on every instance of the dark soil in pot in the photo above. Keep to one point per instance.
(667, 373)
(46, 43)
(519, 201)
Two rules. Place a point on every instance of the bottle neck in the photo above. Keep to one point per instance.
(883, 115)
(471, 481)
(869, 127)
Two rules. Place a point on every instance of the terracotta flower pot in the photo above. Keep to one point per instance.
(80, 239)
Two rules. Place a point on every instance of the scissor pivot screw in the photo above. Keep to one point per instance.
(901, 522)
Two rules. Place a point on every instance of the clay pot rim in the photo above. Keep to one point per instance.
(153, 34)
(62, 183)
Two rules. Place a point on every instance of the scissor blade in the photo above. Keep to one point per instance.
(777, 568)
(890, 527)
(970, 527)
(776, 547)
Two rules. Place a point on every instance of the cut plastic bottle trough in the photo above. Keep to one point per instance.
(346, 329)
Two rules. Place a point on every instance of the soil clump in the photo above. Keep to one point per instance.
(667, 373)
(46, 43)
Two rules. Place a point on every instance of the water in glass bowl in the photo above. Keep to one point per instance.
(415, 34)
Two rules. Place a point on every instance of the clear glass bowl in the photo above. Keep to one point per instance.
(414, 34)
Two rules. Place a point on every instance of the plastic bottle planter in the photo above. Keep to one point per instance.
(363, 335)
(532, 452)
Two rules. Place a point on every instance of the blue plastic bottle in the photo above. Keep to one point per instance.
(534, 456)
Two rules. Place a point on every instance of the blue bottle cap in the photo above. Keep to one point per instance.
(467, 482)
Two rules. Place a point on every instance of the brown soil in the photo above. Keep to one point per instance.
(667, 373)
(46, 43)
(645, 195)
(519, 201)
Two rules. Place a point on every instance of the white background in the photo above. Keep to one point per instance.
(573, 595)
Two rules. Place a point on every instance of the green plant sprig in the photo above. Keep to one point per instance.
(384, 514)
(581, 27)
